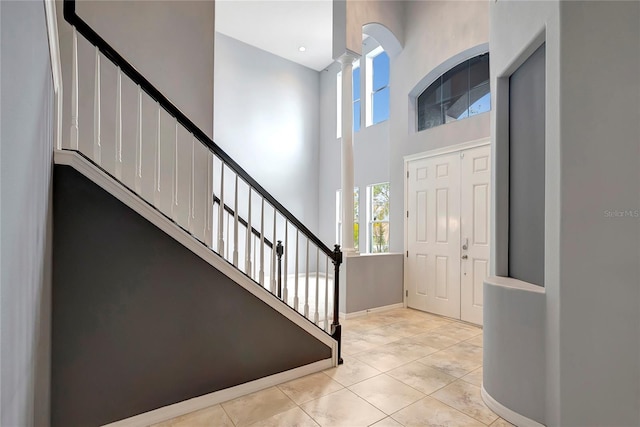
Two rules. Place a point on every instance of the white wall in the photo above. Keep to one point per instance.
(434, 32)
(350, 16)
(179, 63)
(429, 40)
(25, 183)
(169, 42)
(266, 118)
(592, 168)
(385, 12)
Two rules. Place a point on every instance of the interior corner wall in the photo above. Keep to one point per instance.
(267, 119)
(25, 187)
(433, 33)
(170, 42)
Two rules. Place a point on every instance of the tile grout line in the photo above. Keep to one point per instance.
(468, 415)
(227, 414)
(412, 319)
(417, 360)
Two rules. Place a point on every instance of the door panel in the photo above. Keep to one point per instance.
(433, 228)
(448, 233)
(474, 226)
(421, 216)
(421, 270)
(442, 277)
(442, 215)
(481, 214)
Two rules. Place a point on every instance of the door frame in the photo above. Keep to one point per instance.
(423, 155)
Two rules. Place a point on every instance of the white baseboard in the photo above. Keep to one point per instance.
(201, 402)
(345, 316)
(506, 413)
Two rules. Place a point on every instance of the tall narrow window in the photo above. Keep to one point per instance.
(380, 89)
(356, 218)
(378, 217)
(377, 108)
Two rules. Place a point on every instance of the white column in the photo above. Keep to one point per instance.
(347, 179)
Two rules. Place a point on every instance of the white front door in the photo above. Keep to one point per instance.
(433, 258)
(474, 230)
(447, 256)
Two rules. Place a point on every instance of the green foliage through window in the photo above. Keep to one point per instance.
(378, 216)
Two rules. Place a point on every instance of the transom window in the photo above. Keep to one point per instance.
(461, 92)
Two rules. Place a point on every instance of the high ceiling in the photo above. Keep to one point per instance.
(281, 27)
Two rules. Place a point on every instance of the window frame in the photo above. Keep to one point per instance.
(441, 103)
(356, 217)
(370, 92)
(357, 124)
(371, 221)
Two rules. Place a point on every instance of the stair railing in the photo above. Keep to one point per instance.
(224, 207)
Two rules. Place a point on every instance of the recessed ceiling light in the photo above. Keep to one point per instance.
(302, 48)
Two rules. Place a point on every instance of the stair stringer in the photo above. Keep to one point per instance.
(116, 189)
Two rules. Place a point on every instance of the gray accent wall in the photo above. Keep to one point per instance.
(526, 170)
(26, 146)
(373, 281)
(141, 322)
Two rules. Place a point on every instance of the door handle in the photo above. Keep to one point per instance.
(464, 257)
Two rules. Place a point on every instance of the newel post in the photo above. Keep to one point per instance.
(336, 328)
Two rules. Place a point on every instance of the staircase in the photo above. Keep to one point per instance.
(158, 167)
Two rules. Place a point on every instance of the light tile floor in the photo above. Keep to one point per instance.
(401, 368)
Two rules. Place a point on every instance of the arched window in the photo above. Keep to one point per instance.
(461, 92)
